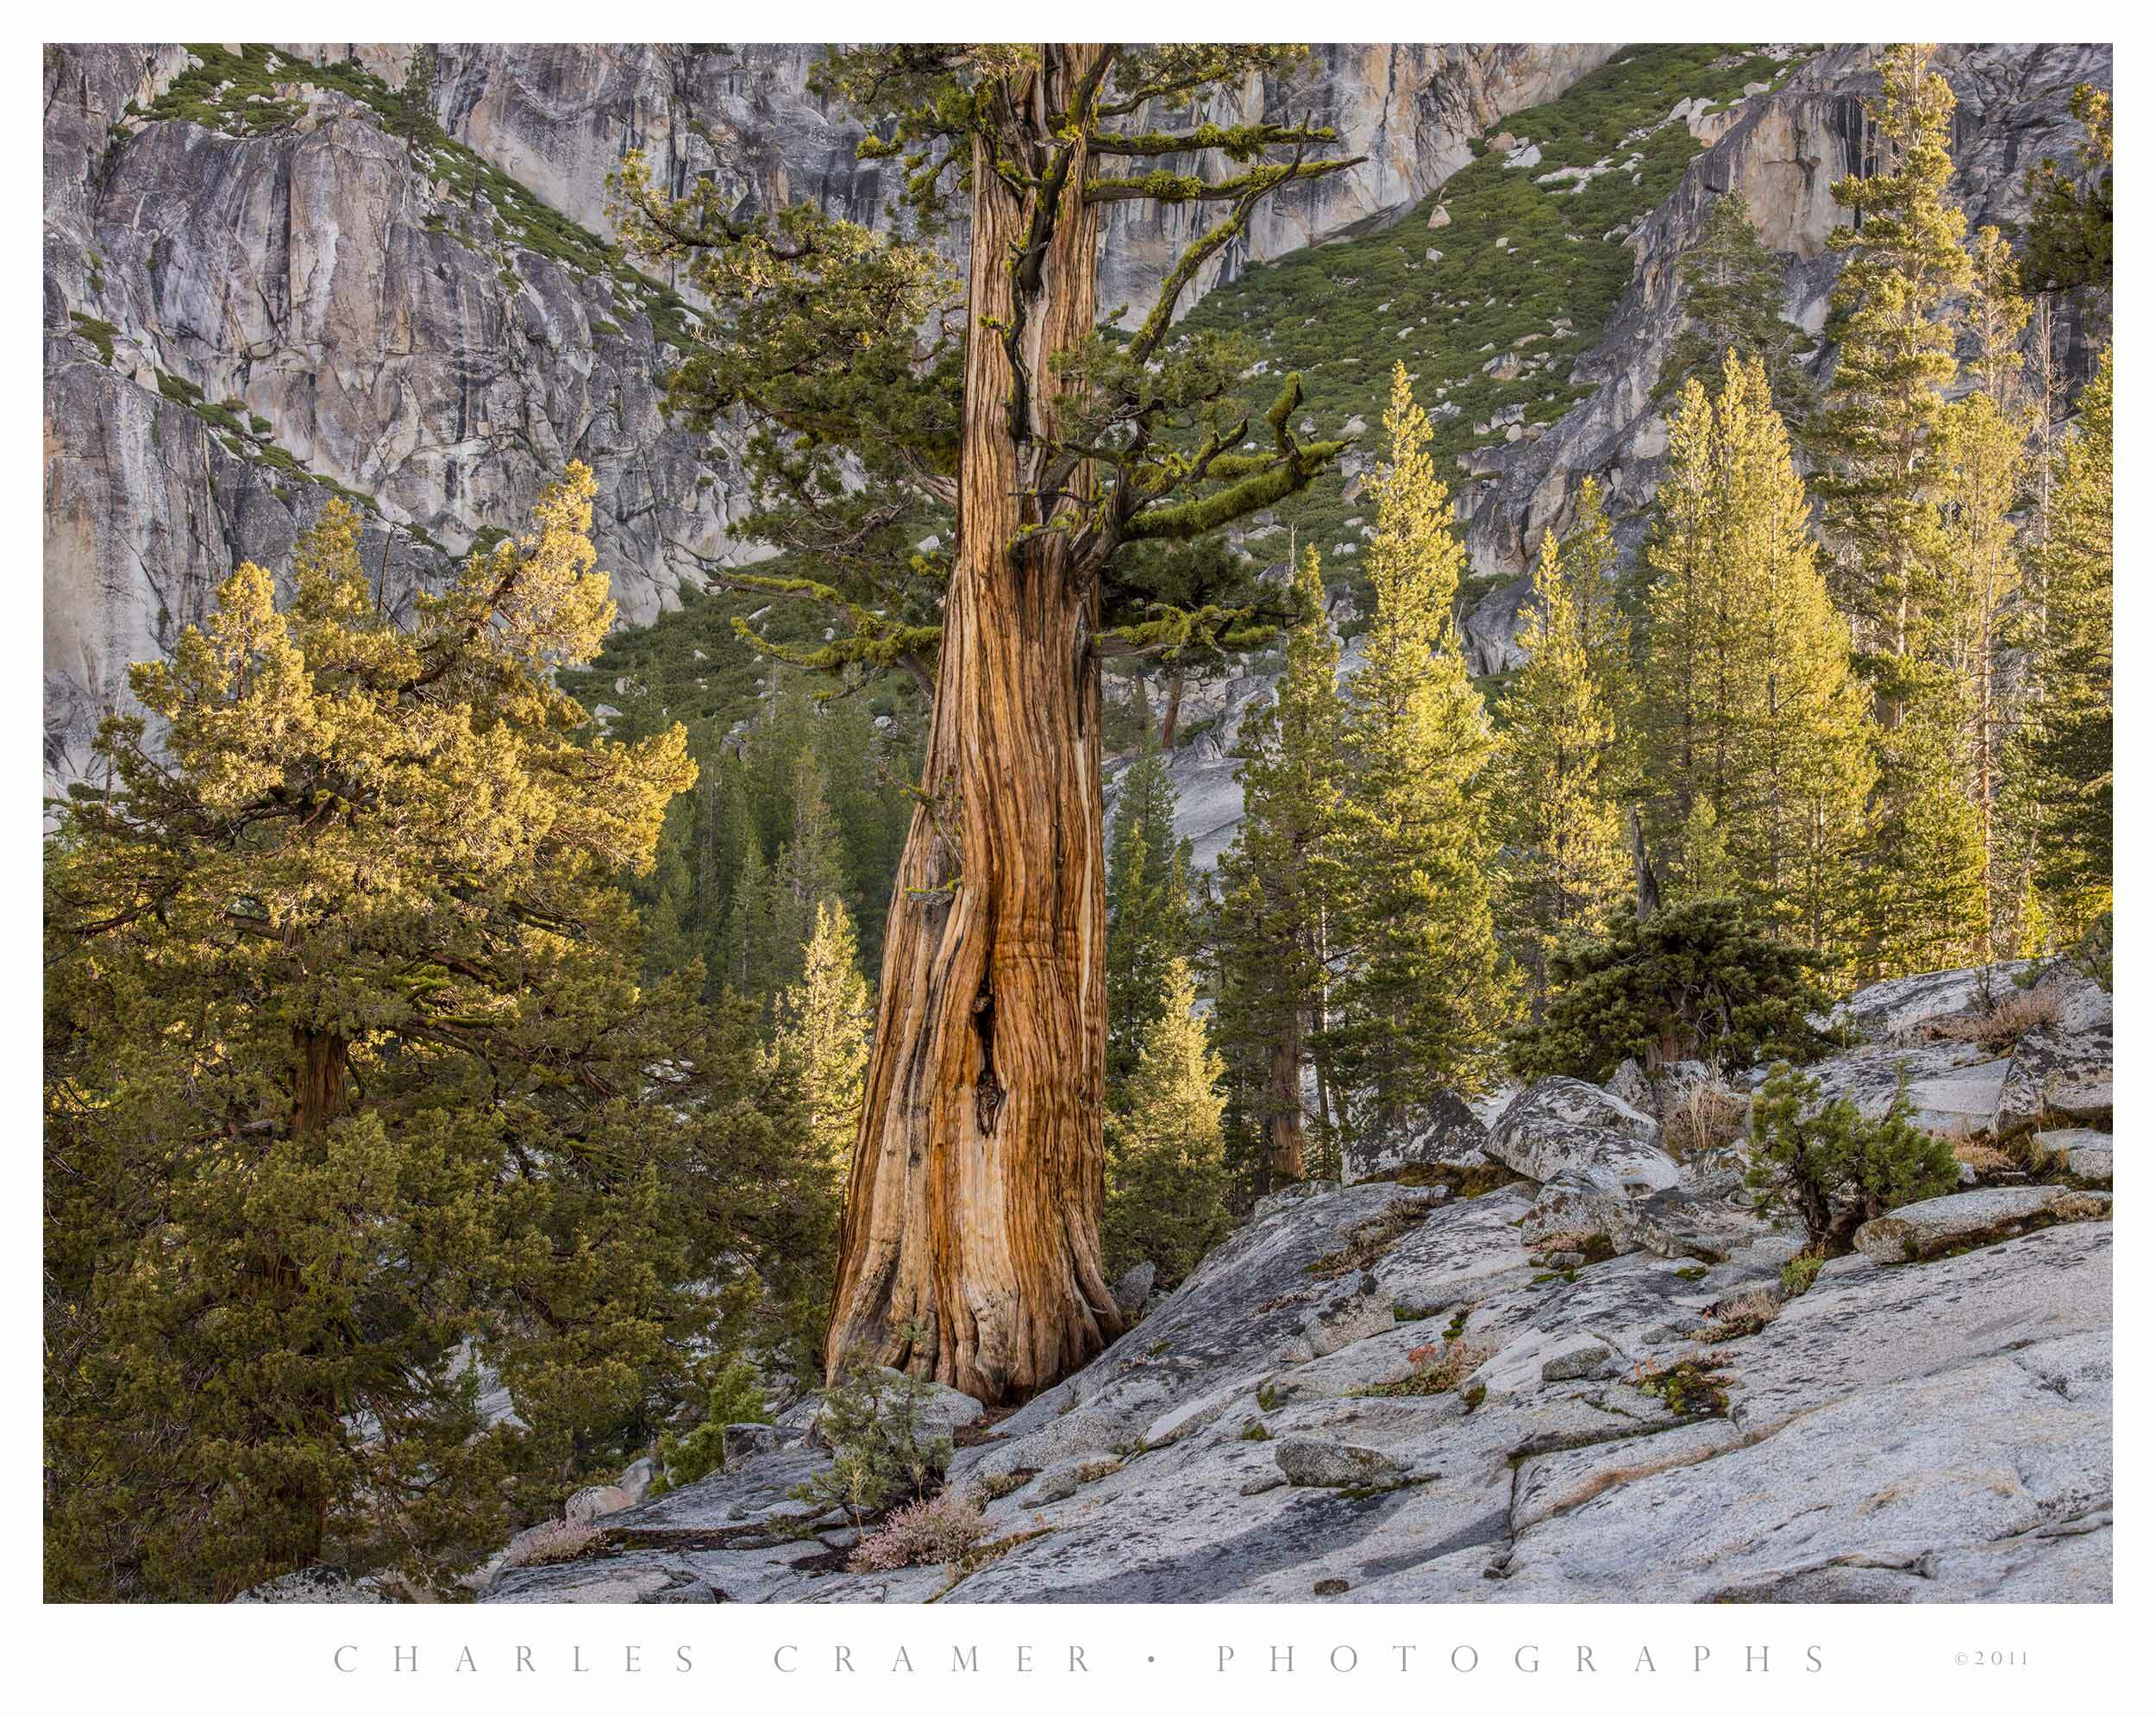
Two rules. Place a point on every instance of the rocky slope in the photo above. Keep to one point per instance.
(265, 284)
(1783, 152)
(1930, 1421)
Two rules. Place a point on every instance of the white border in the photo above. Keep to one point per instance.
(184, 1658)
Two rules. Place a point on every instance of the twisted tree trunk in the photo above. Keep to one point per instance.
(971, 1251)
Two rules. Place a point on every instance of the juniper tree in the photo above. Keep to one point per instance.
(1423, 993)
(354, 1084)
(1556, 780)
(971, 1249)
(1280, 887)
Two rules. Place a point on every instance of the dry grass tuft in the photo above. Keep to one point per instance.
(1705, 1115)
(2003, 1023)
(557, 1540)
(1747, 1314)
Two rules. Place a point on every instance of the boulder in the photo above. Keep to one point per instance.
(596, 1501)
(2060, 1072)
(1313, 1463)
(2084, 1154)
(1567, 1126)
(1964, 1220)
(635, 1479)
(1443, 1132)
(742, 1440)
(1131, 1289)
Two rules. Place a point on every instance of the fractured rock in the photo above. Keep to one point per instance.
(1965, 1220)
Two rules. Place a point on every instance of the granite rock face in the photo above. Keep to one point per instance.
(1935, 1432)
(401, 326)
(1782, 151)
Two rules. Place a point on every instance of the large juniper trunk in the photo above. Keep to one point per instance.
(971, 1247)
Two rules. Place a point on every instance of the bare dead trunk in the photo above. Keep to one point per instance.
(971, 1248)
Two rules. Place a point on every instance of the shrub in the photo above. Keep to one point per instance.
(923, 1534)
(1839, 1168)
(1693, 982)
(1800, 1272)
(735, 1398)
(883, 1451)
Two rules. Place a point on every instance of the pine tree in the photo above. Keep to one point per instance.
(1280, 889)
(1148, 907)
(808, 873)
(1732, 302)
(1166, 1185)
(1985, 445)
(352, 1079)
(822, 1039)
(1884, 483)
(1759, 745)
(2062, 760)
(1878, 436)
(1557, 778)
(1424, 994)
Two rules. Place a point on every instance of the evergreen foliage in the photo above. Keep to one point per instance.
(822, 1028)
(885, 1448)
(1423, 993)
(1732, 303)
(1884, 484)
(1558, 782)
(1149, 921)
(735, 1397)
(2063, 754)
(1281, 884)
(352, 1085)
(1167, 1181)
(2070, 225)
(1839, 1170)
(1694, 982)
(1759, 749)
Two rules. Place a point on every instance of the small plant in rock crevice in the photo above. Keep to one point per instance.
(884, 1451)
(936, 1532)
(1437, 1370)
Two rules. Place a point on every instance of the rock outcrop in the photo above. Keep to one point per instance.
(1936, 1432)
(1388, 1394)
(252, 302)
(1783, 152)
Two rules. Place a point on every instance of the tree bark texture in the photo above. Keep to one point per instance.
(970, 1252)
